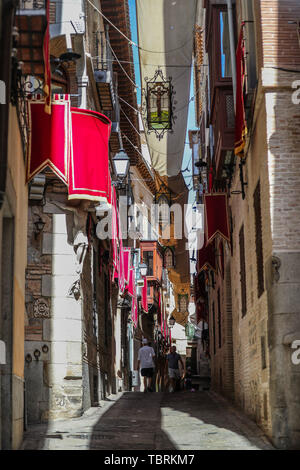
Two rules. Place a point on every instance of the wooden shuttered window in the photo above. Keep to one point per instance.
(258, 241)
(243, 271)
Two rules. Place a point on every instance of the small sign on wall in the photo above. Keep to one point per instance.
(2, 353)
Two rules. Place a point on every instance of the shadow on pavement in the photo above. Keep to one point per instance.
(182, 421)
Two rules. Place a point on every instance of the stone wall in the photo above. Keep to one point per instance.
(265, 379)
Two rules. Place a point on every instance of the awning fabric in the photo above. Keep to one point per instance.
(216, 216)
(89, 169)
(73, 142)
(166, 37)
(240, 120)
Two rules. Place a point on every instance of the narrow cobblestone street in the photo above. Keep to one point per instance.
(153, 421)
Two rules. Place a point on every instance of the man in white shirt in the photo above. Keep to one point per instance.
(145, 361)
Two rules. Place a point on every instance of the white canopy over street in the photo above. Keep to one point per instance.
(165, 34)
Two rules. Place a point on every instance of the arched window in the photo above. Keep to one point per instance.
(168, 258)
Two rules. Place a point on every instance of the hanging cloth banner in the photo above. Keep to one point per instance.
(73, 142)
(144, 296)
(126, 254)
(206, 257)
(89, 168)
(131, 285)
(47, 67)
(114, 233)
(121, 271)
(216, 216)
(49, 141)
(240, 120)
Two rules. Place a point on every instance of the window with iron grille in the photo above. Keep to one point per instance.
(219, 320)
(258, 241)
(243, 271)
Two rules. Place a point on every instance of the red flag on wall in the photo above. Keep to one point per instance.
(89, 169)
(49, 140)
(216, 216)
(240, 120)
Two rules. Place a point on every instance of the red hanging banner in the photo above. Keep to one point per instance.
(206, 258)
(240, 120)
(144, 296)
(216, 216)
(49, 141)
(89, 168)
(126, 254)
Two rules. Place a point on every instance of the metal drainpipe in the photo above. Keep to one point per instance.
(232, 49)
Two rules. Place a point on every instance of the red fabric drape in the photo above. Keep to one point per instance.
(114, 232)
(206, 257)
(126, 254)
(240, 120)
(144, 296)
(49, 141)
(131, 285)
(216, 216)
(89, 169)
(47, 69)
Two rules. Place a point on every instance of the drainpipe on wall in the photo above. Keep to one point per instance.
(232, 48)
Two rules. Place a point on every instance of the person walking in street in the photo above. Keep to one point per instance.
(173, 359)
(145, 362)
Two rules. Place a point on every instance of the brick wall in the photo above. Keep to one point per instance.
(273, 158)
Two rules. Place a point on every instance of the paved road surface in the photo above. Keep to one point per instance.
(153, 421)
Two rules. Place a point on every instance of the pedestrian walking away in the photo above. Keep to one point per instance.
(146, 364)
(173, 367)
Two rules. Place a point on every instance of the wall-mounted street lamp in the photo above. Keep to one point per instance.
(39, 225)
(143, 269)
(121, 165)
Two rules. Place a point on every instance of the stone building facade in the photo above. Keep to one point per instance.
(259, 315)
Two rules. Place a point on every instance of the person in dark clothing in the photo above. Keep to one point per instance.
(174, 359)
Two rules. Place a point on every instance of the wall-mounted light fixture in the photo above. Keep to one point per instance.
(39, 225)
(143, 269)
(172, 321)
(121, 164)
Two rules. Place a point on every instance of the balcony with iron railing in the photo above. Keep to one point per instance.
(103, 71)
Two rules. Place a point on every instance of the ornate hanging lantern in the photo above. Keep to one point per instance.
(158, 106)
